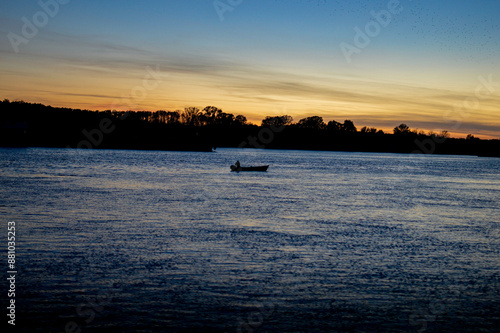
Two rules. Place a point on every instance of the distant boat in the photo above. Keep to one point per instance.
(261, 168)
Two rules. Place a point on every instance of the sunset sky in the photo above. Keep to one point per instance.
(432, 64)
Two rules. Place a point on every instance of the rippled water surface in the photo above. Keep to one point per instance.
(134, 241)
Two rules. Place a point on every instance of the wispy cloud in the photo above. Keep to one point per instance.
(90, 69)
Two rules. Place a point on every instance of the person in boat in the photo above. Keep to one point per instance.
(236, 166)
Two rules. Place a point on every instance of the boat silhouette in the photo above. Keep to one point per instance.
(261, 168)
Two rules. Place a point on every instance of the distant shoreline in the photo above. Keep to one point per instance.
(36, 125)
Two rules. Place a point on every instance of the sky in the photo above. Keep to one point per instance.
(432, 64)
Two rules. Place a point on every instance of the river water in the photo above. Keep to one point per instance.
(146, 241)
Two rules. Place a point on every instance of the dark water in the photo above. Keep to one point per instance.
(131, 241)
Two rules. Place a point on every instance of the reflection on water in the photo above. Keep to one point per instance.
(130, 241)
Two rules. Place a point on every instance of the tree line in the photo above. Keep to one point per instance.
(36, 125)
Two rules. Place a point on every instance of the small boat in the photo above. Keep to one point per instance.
(251, 168)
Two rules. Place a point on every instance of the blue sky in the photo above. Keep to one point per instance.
(264, 58)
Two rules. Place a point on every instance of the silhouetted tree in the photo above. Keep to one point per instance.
(334, 126)
(444, 134)
(277, 121)
(172, 117)
(224, 119)
(418, 132)
(210, 115)
(240, 120)
(348, 126)
(402, 129)
(368, 130)
(191, 116)
(314, 122)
